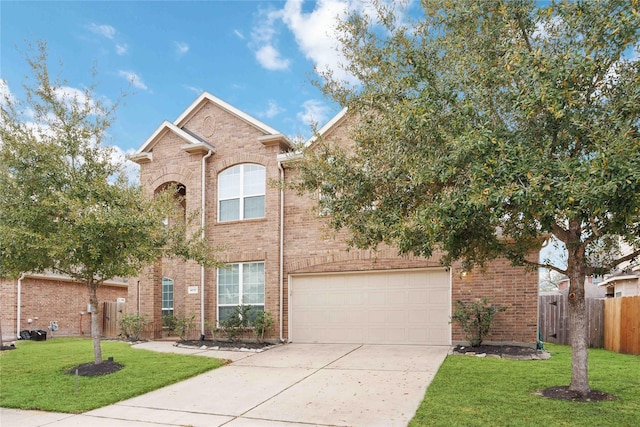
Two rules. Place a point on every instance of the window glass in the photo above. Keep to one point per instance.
(228, 284)
(229, 182)
(254, 180)
(254, 207)
(229, 210)
(167, 296)
(240, 284)
(241, 192)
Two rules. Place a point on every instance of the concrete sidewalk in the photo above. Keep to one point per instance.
(289, 385)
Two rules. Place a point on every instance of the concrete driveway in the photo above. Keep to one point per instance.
(290, 385)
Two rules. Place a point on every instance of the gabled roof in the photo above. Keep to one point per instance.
(161, 131)
(327, 127)
(207, 97)
(335, 121)
(625, 275)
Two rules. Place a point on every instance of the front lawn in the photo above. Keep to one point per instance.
(33, 376)
(471, 391)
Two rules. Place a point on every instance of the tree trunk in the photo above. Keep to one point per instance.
(1, 342)
(578, 321)
(95, 325)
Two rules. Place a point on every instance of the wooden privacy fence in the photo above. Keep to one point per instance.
(622, 324)
(553, 320)
(112, 313)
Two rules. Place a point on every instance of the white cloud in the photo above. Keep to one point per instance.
(130, 169)
(314, 112)
(239, 34)
(122, 49)
(181, 48)
(315, 31)
(133, 78)
(273, 109)
(72, 93)
(194, 89)
(271, 59)
(264, 41)
(5, 93)
(102, 29)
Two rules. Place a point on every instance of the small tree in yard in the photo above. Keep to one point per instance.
(484, 128)
(475, 319)
(65, 204)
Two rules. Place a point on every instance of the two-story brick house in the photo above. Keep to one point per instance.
(283, 259)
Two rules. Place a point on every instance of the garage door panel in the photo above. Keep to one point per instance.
(409, 307)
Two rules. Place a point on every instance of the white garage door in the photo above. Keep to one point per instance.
(391, 307)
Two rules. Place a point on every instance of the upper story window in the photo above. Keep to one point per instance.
(241, 191)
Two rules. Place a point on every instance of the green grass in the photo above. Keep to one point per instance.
(33, 376)
(470, 391)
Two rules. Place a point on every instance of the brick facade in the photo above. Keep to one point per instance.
(308, 245)
(51, 299)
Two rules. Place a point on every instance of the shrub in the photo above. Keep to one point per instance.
(132, 325)
(475, 319)
(239, 321)
(184, 326)
(169, 322)
(212, 327)
(261, 324)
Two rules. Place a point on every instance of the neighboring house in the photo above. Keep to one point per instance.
(592, 288)
(283, 259)
(36, 300)
(622, 284)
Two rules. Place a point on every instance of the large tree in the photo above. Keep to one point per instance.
(66, 205)
(483, 128)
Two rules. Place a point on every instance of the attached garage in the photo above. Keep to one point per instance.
(378, 307)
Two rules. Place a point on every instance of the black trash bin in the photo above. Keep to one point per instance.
(25, 334)
(39, 335)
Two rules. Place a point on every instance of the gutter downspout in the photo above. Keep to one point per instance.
(281, 248)
(19, 303)
(202, 235)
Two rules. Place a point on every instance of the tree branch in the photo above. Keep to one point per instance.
(545, 265)
(560, 233)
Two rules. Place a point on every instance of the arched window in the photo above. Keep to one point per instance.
(167, 296)
(241, 191)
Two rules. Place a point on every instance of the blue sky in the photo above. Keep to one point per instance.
(258, 56)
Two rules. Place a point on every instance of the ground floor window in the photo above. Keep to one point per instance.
(240, 284)
(167, 297)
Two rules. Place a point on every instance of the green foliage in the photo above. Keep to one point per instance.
(261, 323)
(66, 204)
(471, 391)
(42, 365)
(169, 322)
(132, 325)
(475, 319)
(185, 326)
(484, 128)
(237, 323)
(212, 327)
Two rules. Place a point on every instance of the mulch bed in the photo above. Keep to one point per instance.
(92, 370)
(503, 351)
(225, 345)
(563, 393)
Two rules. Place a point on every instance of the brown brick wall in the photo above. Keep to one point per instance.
(309, 245)
(51, 300)
(236, 142)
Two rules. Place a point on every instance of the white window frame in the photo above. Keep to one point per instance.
(242, 196)
(240, 301)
